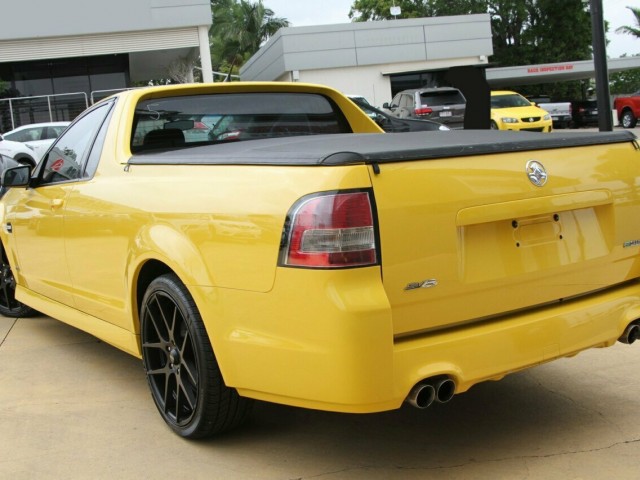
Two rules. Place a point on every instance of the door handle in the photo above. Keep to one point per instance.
(56, 203)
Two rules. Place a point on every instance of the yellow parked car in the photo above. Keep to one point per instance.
(511, 111)
(298, 254)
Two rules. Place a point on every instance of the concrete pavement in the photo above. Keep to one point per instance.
(73, 407)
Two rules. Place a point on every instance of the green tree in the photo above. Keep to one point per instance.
(542, 31)
(625, 82)
(523, 31)
(635, 31)
(239, 28)
(367, 10)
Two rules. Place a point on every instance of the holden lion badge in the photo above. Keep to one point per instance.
(536, 173)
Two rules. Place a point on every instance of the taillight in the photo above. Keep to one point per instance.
(332, 230)
(200, 126)
(423, 110)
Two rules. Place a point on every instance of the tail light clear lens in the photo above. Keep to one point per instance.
(333, 230)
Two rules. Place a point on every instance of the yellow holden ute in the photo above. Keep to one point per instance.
(511, 111)
(297, 254)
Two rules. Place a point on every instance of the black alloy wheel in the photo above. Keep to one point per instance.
(182, 371)
(9, 306)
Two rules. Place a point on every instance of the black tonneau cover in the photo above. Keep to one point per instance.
(347, 149)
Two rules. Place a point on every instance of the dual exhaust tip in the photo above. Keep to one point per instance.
(438, 389)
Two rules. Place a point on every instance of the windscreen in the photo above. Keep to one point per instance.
(509, 101)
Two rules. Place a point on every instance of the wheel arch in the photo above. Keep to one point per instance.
(22, 157)
(161, 249)
(149, 271)
(624, 110)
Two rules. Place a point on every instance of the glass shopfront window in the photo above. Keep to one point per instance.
(58, 76)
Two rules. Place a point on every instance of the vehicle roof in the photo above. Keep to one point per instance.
(503, 92)
(231, 87)
(430, 89)
(42, 124)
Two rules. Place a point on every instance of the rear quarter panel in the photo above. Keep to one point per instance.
(215, 226)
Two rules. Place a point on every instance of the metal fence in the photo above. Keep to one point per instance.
(62, 107)
(18, 111)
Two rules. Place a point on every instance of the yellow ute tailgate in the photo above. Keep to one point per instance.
(470, 238)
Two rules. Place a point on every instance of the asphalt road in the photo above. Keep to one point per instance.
(73, 407)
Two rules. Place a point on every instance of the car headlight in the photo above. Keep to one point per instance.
(509, 120)
(547, 117)
(443, 128)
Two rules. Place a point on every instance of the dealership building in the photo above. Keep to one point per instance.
(67, 55)
(64, 52)
(375, 59)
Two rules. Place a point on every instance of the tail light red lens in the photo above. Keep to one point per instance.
(423, 110)
(334, 230)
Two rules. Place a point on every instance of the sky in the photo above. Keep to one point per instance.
(302, 13)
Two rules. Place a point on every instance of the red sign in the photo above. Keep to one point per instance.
(57, 165)
(550, 68)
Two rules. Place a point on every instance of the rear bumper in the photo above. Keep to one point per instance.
(324, 340)
(561, 120)
(493, 349)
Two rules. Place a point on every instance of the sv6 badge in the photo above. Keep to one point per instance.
(424, 284)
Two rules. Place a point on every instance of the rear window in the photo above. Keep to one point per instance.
(177, 122)
(441, 98)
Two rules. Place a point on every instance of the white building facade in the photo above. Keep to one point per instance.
(83, 46)
(374, 59)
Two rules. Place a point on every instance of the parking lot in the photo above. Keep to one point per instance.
(73, 407)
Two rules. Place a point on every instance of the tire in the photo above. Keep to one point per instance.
(494, 125)
(628, 120)
(9, 306)
(182, 371)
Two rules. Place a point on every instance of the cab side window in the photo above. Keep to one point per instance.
(406, 101)
(66, 159)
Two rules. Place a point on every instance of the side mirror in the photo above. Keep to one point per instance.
(386, 105)
(16, 176)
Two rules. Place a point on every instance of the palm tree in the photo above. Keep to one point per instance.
(635, 31)
(239, 28)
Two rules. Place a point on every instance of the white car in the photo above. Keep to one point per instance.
(19, 152)
(27, 144)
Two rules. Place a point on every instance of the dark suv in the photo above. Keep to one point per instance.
(584, 112)
(443, 104)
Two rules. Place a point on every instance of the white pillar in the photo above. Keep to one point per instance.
(205, 54)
